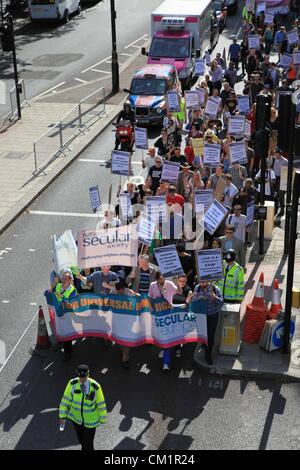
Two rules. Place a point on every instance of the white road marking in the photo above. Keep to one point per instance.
(137, 40)
(31, 250)
(2, 252)
(66, 214)
(101, 71)
(9, 249)
(79, 80)
(15, 235)
(94, 65)
(5, 301)
(90, 160)
(127, 55)
(109, 62)
(137, 47)
(33, 304)
(54, 91)
(50, 89)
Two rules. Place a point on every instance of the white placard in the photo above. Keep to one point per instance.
(250, 5)
(214, 216)
(212, 155)
(212, 106)
(170, 172)
(203, 199)
(192, 99)
(199, 67)
(156, 207)
(261, 7)
(120, 162)
(286, 60)
(253, 41)
(173, 102)
(269, 18)
(247, 129)
(238, 153)
(236, 125)
(283, 177)
(201, 93)
(145, 229)
(95, 198)
(233, 190)
(244, 104)
(210, 265)
(296, 58)
(250, 213)
(292, 36)
(168, 261)
(141, 139)
(125, 205)
(207, 59)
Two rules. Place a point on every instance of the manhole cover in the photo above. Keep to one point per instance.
(17, 155)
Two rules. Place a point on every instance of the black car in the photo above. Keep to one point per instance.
(232, 6)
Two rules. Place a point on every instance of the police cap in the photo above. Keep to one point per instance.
(82, 370)
(230, 255)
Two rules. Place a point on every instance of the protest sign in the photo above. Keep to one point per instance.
(94, 198)
(212, 106)
(113, 247)
(269, 18)
(65, 251)
(250, 213)
(286, 60)
(145, 229)
(219, 191)
(192, 99)
(209, 265)
(127, 320)
(247, 129)
(168, 261)
(253, 41)
(125, 205)
(292, 36)
(171, 136)
(214, 216)
(201, 93)
(198, 146)
(243, 104)
(250, 5)
(173, 102)
(283, 177)
(141, 139)
(238, 152)
(203, 198)
(296, 58)
(261, 7)
(199, 67)
(120, 162)
(236, 126)
(212, 154)
(207, 59)
(156, 207)
(170, 172)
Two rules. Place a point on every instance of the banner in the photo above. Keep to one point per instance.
(168, 261)
(170, 172)
(141, 139)
(65, 251)
(236, 126)
(199, 67)
(145, 229)
(250, 213)
(238, 153)
(125, 205)
(212, 106)
(120, 163)
(210, 265)
(192, 99)
(95, 198)
(212, 155)
(253, 41)
(116, 246)
(128, 320)
(203, 198)
(243, 104)
(214, 217)
(173, 102)
(292, 36)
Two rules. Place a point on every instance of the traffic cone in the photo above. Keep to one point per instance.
(256, 314)
(42, 340)
(276, 306)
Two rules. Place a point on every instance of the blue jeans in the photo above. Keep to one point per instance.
(167, 356)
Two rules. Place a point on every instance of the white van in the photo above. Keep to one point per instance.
(60, 10)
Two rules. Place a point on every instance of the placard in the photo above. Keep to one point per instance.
(244, 104)
(192, 99)
(247, 129)
(203, 198)
(238, 152)
(250, 5)
(236, 126)
(286, 60)
(170, 172)
(199, 67)
(202, 95)
(95, 198)
(219, 191)
(198, 146)
(283, 177)
(171, 136)
(156, 207)
(277, 97)
(261, 7)
(207, 59)
(296, 58)
(145, 229)
(250, 213)
(168, 261)
(214, 216)
(212, 155)
(210, 265)
(212, 106)
(173, 102)
(269, 18)
(120, 162)
(253, 41)
(141, 139)
(292, 36)
(125, 205)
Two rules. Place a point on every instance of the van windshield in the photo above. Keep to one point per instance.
(42, 2)
(148, 86)
(168, 47)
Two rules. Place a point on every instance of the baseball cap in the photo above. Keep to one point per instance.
(278, 150)
(83, 370)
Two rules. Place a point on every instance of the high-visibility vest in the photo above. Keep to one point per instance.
(66, 293)
(232, 285)
(87, 409)
(181, 114)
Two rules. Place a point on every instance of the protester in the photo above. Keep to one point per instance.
(142, 276)
(103, 281)
(230, 242)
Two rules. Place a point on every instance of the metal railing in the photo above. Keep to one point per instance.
(13, 99)
(55, 141)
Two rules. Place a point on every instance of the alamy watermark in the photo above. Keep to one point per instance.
(2, 92)
(2, 352)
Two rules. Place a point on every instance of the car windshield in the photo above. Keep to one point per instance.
(148, 86)
(168, 47)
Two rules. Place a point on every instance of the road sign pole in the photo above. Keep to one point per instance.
(114, 54)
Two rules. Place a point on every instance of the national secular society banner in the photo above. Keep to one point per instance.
(127, 320)
(108, 247)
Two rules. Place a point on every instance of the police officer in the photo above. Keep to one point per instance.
(83, 403)
(232, 285)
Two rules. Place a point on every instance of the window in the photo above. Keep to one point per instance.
(168, 47)
(148, 86)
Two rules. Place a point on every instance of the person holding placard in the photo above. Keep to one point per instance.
(268, 38)
(239, 174)
(162, 143)
(155, 173)
(230, 74)
(149, 161)
(229, 191)
(184, 176)
(273, 76)
(216, 73)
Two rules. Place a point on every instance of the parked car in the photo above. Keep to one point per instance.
(232, 6)
(221, 13)
(53, 10)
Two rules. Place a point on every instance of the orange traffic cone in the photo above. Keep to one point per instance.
(42, 340)
(276, 306)
(256, 314)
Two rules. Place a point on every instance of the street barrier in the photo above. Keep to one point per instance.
(256, 314)
(57, 139)
(13, 99)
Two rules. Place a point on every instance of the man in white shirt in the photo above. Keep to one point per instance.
(270, 181)
(278, 162)
(149, 161)
(239, 221)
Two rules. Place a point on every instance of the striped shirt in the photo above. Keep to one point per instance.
(213, 305)
(236, 175)
(144, 282)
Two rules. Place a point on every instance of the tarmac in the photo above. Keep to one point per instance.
(19, 188)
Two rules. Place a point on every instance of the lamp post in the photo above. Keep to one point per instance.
(114, 54)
